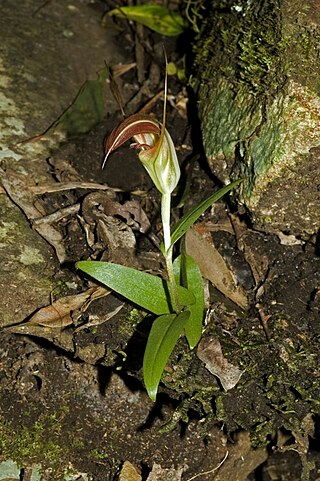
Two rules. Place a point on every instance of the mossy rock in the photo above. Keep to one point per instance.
(257, 78)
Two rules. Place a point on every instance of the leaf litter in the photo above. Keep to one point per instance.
(243, 458)
(209, 351)
(213, 266)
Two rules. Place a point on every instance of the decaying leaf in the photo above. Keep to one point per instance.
(98, 203)
(256, 259)
(214, 268)
(302, 438)
(60, 312)
(112, 225)
(19, 189)
(50, 322)
(129, 472)
(209, 351)
(117, 237)
(160, 474)
(96, 320)
(63, 338)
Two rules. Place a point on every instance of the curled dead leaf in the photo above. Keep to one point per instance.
(59, 313)
(209, 351)
(19, 188)
(214, 268)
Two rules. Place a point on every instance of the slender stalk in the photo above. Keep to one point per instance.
(165, 215)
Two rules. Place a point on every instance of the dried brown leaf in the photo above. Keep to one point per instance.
(112, 226)
(209, 351)
(19, 189)
(131, 211)
(214, 268)
(59, 313)
(59, 337)
(243, 459)
(63, 338)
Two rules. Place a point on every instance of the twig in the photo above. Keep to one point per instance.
(56, 216)
(147, 107)
(60, 186)
(43, 5)
(211, 470)
(264, 318)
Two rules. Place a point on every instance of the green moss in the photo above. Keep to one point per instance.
(243, 47)
(278, 389)
(132, 318)
(251, 59)
(302, 40)
(41, 443)
(77, 443)
(29, 445)
(239, 69)
(97, 455)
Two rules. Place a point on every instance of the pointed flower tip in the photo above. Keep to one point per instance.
(105, 160)
(157, 151)
(130, 127)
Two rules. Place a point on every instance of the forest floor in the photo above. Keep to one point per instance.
(72, 401)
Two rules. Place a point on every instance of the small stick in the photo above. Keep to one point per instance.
(60, 186)
(151, 102)
(211, 470)
(56, 216)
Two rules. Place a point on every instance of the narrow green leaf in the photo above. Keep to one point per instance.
(156, 17)
(163, 337)
(187, 272)
(145, 290)
(190, 217)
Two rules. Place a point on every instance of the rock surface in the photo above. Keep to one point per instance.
(257, 71)
(48, 52)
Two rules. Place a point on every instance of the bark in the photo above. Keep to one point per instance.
(257, 76)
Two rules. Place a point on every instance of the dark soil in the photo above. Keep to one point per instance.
(72, 397)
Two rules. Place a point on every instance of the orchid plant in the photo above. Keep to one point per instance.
(178, 301)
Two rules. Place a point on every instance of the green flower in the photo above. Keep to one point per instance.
(157, 151)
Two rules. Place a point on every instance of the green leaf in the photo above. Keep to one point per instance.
(163, 337)
(87, 109)
(145, 290)
(187, 272)
(156, 17)
(190, 217)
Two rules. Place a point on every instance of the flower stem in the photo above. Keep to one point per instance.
(165, 215)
